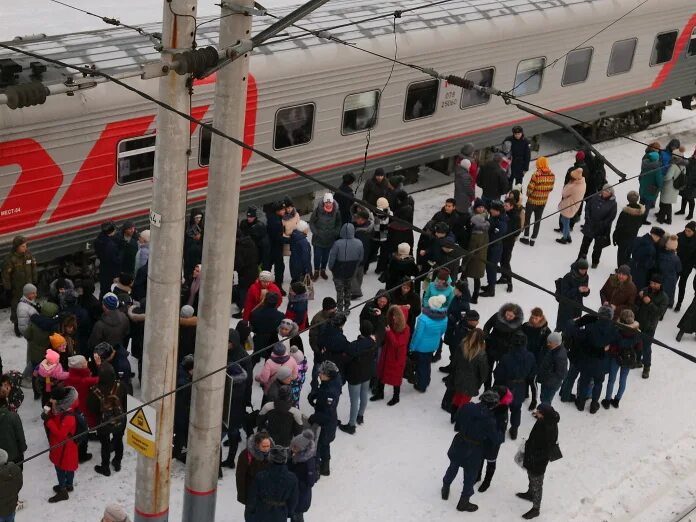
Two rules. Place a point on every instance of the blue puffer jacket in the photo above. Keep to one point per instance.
(300, 256)
(432, 290)
(430, 327)
(346, 253)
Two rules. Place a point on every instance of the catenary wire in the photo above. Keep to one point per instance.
(302, 174)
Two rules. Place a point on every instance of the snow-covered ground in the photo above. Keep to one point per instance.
(634, 463)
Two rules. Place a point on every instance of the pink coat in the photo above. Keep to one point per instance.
(571, 198)
(270, 369)
(52, 373)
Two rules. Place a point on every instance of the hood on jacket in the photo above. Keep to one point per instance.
(435, 313)
(236, 373)
(542, 163)
(296, 236)
(66, 403)
(347, 231)
(519, 316)
(638, 210)
(49, 309)
(111, 317)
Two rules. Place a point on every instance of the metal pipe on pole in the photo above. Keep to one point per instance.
(168, 219)
(214, 308)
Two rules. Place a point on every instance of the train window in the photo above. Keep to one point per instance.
(421, 99)
(205, 139)
(360, 112)
(621, 58)
(529, 75)
(663, 48)
(577, 66)
(691, 50)
(136, 159)
(293, 126)
(471, 98)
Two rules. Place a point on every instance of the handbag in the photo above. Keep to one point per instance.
(555, 453)
(519, 456)
(309, 284)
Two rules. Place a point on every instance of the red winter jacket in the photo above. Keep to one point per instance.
(59, 428)
(81, 379)
(392, 358)
(254, 298)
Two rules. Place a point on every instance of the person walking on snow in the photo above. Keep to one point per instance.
(600, 212)
(392, 356)
(345, 257)
(627, 227)
(325, 402)
(538, 190)
(430, 327)
(623, 354)
(325, 223)
(571, 202)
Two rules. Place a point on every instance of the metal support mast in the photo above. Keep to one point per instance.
(222, 209)
(168, 218)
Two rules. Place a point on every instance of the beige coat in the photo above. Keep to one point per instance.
(571, 197)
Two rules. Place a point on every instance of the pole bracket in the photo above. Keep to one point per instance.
(242, 9)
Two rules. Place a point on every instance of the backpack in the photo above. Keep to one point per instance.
(111, 408)
(680, 181)
(558, 283)
(81, 429)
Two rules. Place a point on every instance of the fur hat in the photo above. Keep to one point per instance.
(303, 442)
(605, 312)
(328, 198)
(657, 231)
(627, 316)
(266, 276)
(490, 398)
(633, 197)
(672, 243)
(329, 369)
(186, 311)
(56, 340)
(437, 301)
(116, 513)
(290, 325)
(624, 269)
(110, 301)
(283, 373)
(465, 163)
(77, 361)
(382, 203)
(278, 455)
(555, 338)
(28, 289)
(656, 277)
(478, 202)
(52, 356)
(404, 249)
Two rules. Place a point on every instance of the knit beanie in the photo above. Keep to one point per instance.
(283, 373)
(116, 513)
(437, 301)
(77, 361)
(28, 289)
(555, 338)
(403, 249)
(52, 357)
(56, 340)
(382, 203)
(465, 164)
(110, 301)
(266, 276)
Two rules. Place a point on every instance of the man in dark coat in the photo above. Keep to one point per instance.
(500, 330)
(345, 196)
(376, 187)
(107, 249)
(537, 454)
(273, 495)
(325, 401)
(600, 212)
(499, 226)
(11, 481)
(457, 220)
(182, 408)
(520, 153)
(651, 305)
(246, 264)
(644, 256)
(12, 439)
(193, 249)
(274, 227)
(619, 291)
(264, 324)
(476, 431)
(630, 220)
(18, 270)
(492, 179)
(364, 228)
(572, 287)
(300, 253)
(553, 368)
(128, 242)
(256, 230)
(687, 255)
(280, 418)
(113, 327)
(345, 256)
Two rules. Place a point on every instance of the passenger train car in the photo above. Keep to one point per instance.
(76, 161)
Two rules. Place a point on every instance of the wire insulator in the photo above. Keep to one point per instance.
(196, 62)
(26, 95)
(460, 82)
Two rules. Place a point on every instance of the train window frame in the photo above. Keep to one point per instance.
(125, 154)
(200, 144)
(517, 85)
(466, 77)
(691, 51)
(408, 88)
(564, 83)
(633, 56)
(313, 122)
(343, 112)
(653, 57)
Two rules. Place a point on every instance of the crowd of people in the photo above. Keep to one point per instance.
(79, 345)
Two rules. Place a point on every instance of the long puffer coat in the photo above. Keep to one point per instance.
(499, 331)
(627, 226)
(542, 439)
(476, 263)
(392, 357)
(599, 215)
(650, 181)
(469, 375)
(430, 327)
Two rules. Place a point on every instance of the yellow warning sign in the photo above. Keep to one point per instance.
(140, 421)
(140, 444)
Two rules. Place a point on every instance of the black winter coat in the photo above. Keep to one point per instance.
(520, 153)
(468, 376)
(281, 420)
(273, 495)
(542, 439)
(274, 227)
(264, 324)
(648, 315)
(536, 339)
(300, 256)
(686, 250)
(553, 367)
(109, 254)
(457, 307)
(599, 215)
(492, 180)
(398, 269)
(246, 261)
(476, 432)
(258, 233)
(306, 473)
(499, 333)
(414, 303)
(362, 354)
(643, 259)
(689, 192)
(570, 289)
(515, 370)
(325, 402)
(379, 322)
(193, 255)
(669, 265)
(456, 221)
(373, 191)
(344, 196)
(627, 226)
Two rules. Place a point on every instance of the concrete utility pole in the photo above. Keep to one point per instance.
(168, 218)
(222, 209)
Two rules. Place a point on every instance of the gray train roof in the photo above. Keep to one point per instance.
(119, 50)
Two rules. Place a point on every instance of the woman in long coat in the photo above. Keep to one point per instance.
(303, 464)
(478, 245)
(392, 358)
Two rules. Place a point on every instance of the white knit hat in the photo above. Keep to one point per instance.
(437, 301)
(328, 197)
(266, 276)
(382, 203)
(465, 164)
(403, 249)
(303, 226)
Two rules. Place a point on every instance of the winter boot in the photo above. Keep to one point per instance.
(445, 491)
(68, 488)
(323, 274)
(379, 393)
(490, 470)
(646, 371)
(229, 462)
(580, 404)
(615, 403)
(509, 287)
(395, 399)
(532, 513)
(61, 494)
(16, 329)
(680, 335)
(606, 404)
(594, 407)
(116, 464)
(527, 495)
(325, 468)
(513, 432)
(446, 369)
(437, 355)
(502, 280)
(297, 517)
(569, 398)
(465, 505)
(562, 241)
(677, 306)
(315, 275)
(103, 470)
(533, 405)
(527, 241)
(360, 419)
(487, 291)
(347, 428)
